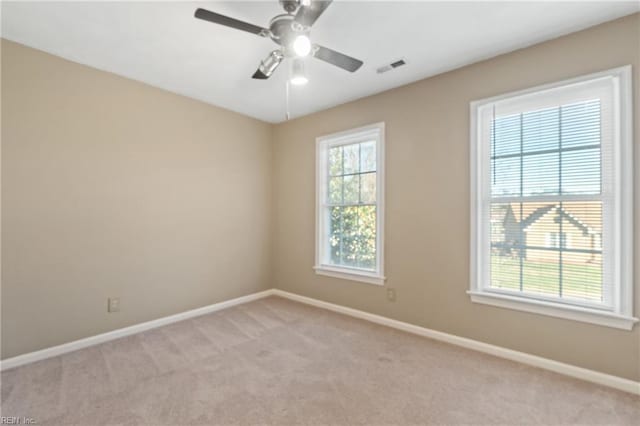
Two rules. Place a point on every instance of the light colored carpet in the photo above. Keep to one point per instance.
(275, 361)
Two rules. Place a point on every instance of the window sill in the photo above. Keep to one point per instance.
(350, 274)
(576, 313)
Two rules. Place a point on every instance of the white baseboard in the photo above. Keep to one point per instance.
(127, 331)
(524, 358)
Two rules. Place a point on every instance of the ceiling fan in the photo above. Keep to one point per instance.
(291, 32)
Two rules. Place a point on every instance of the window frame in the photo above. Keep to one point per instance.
(620, 312)
(323, 144)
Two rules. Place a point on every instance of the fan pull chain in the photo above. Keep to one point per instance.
(288, 112)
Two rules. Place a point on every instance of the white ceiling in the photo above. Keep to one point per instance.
(161, 44)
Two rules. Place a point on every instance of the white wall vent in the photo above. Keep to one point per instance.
(392, 65)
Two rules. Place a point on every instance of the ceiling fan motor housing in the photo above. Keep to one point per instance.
(284, 30)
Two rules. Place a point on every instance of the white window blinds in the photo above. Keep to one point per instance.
(544, 155)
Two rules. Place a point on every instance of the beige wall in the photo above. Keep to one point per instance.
(427, 201)
(114, 188)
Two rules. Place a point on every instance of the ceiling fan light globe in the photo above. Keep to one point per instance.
(298, 74)
(302, 45)
(299, 80)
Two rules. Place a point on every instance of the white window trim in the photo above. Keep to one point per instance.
(360, 134)
(621, 316)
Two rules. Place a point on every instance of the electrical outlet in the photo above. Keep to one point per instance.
(113, 304)
(391, 294)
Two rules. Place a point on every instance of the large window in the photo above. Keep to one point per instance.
(349, 218)
(552, 200)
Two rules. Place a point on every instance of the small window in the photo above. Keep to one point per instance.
(551, 200)
(350, 207)
(557, 240)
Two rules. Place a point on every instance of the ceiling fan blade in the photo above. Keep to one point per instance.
(259, 75)
(216, 18)
(269, 65)
(336, 58)
(307, 15)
